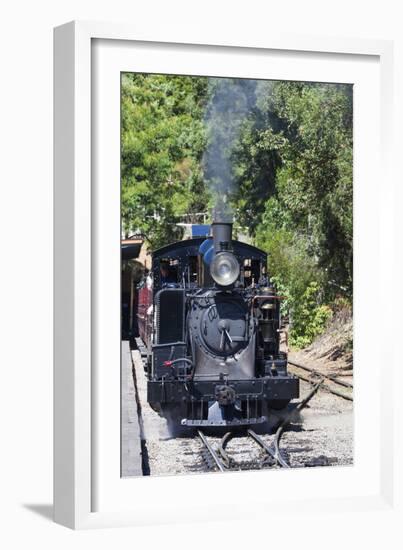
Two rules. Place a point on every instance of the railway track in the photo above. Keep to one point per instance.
(313, 376)
(217, 457)
(321, 438)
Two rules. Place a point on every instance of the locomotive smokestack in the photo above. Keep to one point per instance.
(222, 227)
(224, 266)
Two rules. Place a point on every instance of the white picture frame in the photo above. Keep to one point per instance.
(87, 493)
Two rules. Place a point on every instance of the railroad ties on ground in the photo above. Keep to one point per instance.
(315, 374)
(217, 457)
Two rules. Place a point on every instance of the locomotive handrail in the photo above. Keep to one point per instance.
(167, 344)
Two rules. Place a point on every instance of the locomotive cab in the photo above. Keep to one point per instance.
(214, 350)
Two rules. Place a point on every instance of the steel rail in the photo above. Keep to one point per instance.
(326, 387)
(329, 377)
(273, 450)
(298, 408)
(223, 460)
(221, 448)
(212, 452)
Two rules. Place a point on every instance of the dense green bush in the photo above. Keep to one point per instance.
(162, 143)
(308, 317)
(297, 279)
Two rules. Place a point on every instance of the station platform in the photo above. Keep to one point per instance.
(131, 452)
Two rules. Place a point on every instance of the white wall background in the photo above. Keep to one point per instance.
(26, 247)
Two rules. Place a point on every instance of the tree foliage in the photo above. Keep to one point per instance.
(297, 146)
(302, 135)
(162, 142)
(285, 149)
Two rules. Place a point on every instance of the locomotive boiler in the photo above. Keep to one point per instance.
(210, 320)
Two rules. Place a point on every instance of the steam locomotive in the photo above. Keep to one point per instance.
(210, 321)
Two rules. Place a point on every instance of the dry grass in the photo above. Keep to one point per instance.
(332, 351)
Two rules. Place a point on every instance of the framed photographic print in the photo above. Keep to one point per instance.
(219, 231)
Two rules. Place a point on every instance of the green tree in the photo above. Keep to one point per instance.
(296, 144)
(162, 140)
(280, 151)
(296, 147)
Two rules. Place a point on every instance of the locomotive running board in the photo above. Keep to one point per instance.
(234, 422)
(219, 415)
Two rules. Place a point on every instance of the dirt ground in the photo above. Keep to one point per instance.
(331, 353)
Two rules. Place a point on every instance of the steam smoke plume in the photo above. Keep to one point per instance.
(231, 100)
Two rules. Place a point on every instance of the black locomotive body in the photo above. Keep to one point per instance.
(213, 354)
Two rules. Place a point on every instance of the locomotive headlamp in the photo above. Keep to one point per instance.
(224, 268)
